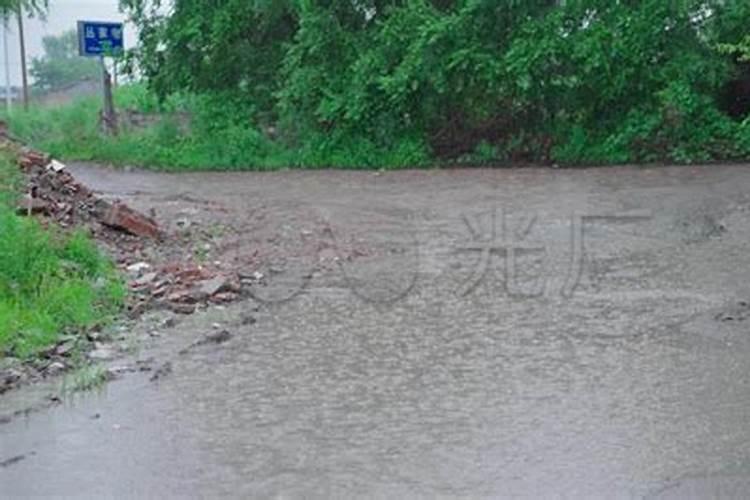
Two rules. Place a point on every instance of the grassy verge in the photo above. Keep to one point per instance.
(211, 133)
(217, 138)
(51, 283)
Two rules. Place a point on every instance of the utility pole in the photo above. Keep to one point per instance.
(8, 97)
(22, 42)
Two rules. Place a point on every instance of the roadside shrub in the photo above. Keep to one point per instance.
(579, 82)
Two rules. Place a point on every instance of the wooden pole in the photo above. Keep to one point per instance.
(108, 112)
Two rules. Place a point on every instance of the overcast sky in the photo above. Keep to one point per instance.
(62, 16)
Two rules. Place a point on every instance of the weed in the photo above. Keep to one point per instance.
(85, 378)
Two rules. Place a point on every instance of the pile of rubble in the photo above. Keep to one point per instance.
(52, 191)
(136, 242)
(180, 287)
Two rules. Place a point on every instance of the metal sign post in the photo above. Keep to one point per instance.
(101, 39)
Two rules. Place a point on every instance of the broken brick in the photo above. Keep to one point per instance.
(30, 158)
(182, 296)
(191, 274)
(182, 308)
(124, 218)
(223, 297)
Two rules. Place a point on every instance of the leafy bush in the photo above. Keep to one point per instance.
(587, 81)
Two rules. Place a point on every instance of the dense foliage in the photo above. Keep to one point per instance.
(404, 82)
(575, 81)
(8, 7)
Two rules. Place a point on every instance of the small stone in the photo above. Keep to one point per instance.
(144, 280)
(65, 348)
(102, 353)
(216, 337)
(138, 268)
(145, 365)
(163, 370)
(116, 371)
(55, 368)
(223, 297)
(182, 308)
(137, 309)
(159, 290)
(169, 323)
(11, 376)
(182, 296)
(213, 286)
(183, 223)
(254, 276)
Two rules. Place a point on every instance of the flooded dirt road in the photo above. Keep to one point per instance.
(472, 333)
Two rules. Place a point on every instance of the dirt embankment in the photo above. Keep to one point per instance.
(164, 269)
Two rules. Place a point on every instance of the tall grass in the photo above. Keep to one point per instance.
(51, 283)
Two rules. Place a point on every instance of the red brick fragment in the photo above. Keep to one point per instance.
(124, 218)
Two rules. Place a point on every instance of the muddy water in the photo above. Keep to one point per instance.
(470, 333)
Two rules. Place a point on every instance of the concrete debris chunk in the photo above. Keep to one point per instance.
(56, 166)
(138, 268)
(211, 287)
(144, 280)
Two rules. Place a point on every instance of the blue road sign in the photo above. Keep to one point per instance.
(100, 38)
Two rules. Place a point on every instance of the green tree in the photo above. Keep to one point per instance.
(9, 7)
(574, 81)
(61, 65)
